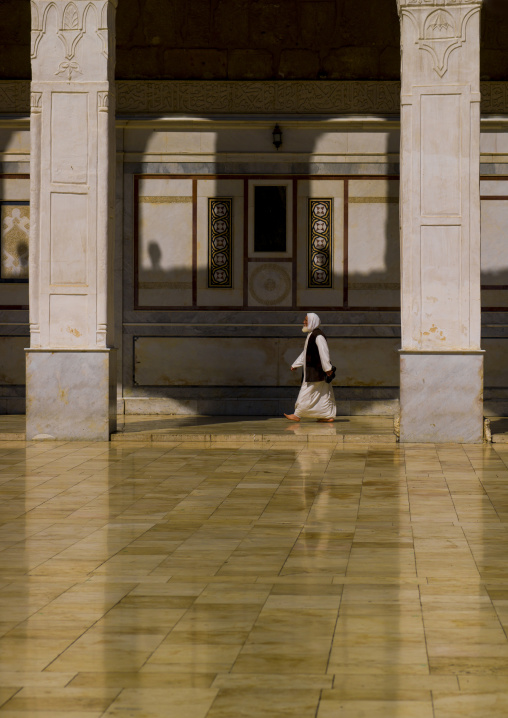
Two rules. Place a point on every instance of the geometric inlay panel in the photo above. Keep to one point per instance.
(14, 239)
(320, 233)
(220, 238)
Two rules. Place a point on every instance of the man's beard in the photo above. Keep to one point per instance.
(305, 329)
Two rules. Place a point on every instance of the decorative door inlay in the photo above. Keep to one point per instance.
(320, 234)
(220, 243)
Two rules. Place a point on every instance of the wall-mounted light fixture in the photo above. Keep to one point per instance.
(277, 136)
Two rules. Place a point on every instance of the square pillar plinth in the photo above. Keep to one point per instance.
(441, 397)
(71, 395)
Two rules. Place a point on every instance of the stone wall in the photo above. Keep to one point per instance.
(255, 39)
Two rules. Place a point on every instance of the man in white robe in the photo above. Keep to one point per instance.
(316, 399)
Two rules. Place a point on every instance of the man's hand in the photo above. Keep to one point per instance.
(329, 373)
(294, 368)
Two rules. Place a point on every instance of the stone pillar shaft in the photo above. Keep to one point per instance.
(441, 359)
(70, 363)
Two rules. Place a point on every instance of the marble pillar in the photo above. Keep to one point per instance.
(70, 362)
(441, 359)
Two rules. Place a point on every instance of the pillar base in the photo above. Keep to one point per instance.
(441, 397)
(71, 394)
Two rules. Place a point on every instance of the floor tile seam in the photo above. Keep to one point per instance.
(40, 608)
(3, 703)
(504, 627)
(318, 704)
(53, 460)
(106, 491)
(342, 593)
(89, 628)
(490, 500)
(249, 632)
(356, 522)
(465, 534)
(422, 614)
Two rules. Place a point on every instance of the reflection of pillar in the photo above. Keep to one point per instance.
(441, 361)
(70, 367)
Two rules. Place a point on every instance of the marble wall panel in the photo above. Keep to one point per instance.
(15, 188)
(165, 242)
(14, 295)
(263, 362)
(69, 143)
(218, 296)
(69, 233)
(333, 189)
(496, 362)
(360, 361)
(367, 295)
(373, 188)
(365, 143)
(373, 243)
(14, 141)
(315, 142)
(494, 298)
(494, 249)
(155, 141)
(494, 143)
(270, 284)
(494, 188)
(373, 249)
(68, 320)
(12, 365)
(206, 361)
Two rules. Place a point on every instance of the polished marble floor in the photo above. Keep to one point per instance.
(243, 579)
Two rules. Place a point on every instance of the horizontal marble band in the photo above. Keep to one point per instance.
(373, 200)
(165, 200)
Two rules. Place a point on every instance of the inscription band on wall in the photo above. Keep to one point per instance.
(320, 243)
(220, 235)
(239, 96)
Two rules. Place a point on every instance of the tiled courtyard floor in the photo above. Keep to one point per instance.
(244, 579)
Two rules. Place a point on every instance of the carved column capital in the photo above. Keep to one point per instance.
(65, 36)
(438, 28)
(401, 4)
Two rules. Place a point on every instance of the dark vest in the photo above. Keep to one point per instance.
(313, 369)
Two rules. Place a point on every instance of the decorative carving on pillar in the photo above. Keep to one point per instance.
(73, 22)
(36, 102)
(103, 101)
(442, 30)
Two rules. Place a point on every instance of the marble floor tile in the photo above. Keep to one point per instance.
(217, 579)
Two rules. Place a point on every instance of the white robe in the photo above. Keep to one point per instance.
(316, 399)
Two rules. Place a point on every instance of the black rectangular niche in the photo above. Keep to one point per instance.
(269, 218)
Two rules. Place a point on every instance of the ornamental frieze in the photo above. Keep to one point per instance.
(166, 97)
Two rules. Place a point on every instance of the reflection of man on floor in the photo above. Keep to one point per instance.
(316, 399)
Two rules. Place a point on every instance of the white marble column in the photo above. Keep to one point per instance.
(70, 365)
(441, 360)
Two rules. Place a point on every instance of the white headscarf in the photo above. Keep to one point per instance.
(313, 322)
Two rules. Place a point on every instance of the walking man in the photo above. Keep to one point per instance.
(316, 399)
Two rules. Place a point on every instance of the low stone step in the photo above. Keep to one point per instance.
(269, 438)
